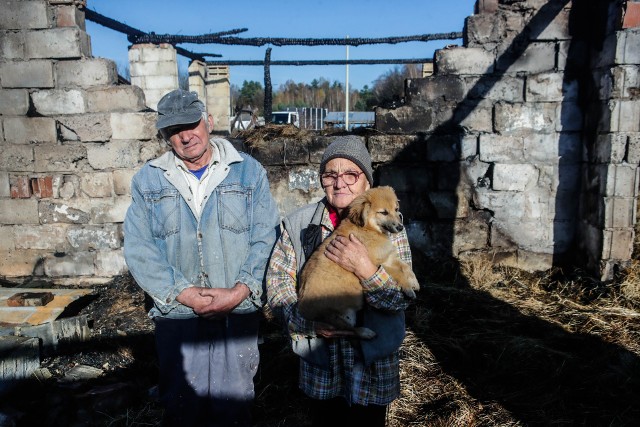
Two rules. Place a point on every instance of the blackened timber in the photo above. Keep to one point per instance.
(325, 62)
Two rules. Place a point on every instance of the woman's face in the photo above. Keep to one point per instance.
(339, 194)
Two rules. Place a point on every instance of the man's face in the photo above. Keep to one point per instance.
(339, 194)
(190, 142)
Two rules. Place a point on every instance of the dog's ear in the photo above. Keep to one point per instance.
(358, 210)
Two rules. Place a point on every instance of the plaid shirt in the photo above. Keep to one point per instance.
(377, 384)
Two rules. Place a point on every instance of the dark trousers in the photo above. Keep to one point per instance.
(336, 413)
(206, 370)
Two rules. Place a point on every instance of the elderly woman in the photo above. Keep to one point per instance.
(348, 380)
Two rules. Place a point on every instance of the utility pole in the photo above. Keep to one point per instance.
(346, 89)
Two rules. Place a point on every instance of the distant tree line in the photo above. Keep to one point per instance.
(321, 93)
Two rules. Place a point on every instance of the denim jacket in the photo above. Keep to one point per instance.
(168, 248)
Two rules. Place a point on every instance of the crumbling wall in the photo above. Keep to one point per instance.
(71, 138)
(523, 143)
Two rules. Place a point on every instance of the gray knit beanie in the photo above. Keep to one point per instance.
(350, 148)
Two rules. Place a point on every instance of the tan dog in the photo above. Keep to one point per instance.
(331, 294)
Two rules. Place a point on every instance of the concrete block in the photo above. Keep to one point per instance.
(138, 69)
(397, 148)
(627, 51)
(116, 98)
(19, 211)
(445, 87)
(463, 61)
(73, 264)
(408, 179)
(22, 15)
(625, 81)
(114, 154)
(91, 127)
(112, 211)
(444, 148)
(149, 52)
(133, 125)
(19, 263)
(469, 116)
(19, 358)
(536, 58)
(529, 234)
(60, 158)
(625, 115)
(514, 177)
(619, 212)
(553, 26)
(69, 16)
(45, 237)
(550, 87)
(30, 130)
(57, 43)
(506, 205)
(484, 30)
(448, 205)
(611, 148)
(59, 101)
(617, 244)
(94, 237)
(522, 118)
(163, 83)
(7, 239)
(97, 184)
(12, 45)
(86, 73)
(14, 102)
(17, 158)
(27, 74)
(620, 181)
(552, 148)
(633, 154)
(499, 148)
(5, 190)
(110, 263)
(50, 213)
(505, 88)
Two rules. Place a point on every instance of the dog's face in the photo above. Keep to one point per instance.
(377, 208)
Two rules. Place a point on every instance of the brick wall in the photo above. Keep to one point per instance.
(70, 140)
(523, 145)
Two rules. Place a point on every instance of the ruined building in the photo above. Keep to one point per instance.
(523, 145)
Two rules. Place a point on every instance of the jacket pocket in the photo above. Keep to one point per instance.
(234, 212)
(165, 212)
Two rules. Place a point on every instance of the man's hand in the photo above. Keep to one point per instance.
(352, 255)
(212, 302)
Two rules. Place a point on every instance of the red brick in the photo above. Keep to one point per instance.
(631, 16)
(42, 187)
(20, 188)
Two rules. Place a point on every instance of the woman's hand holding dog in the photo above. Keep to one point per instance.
(350, 254)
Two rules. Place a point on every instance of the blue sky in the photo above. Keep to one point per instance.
(287, 18)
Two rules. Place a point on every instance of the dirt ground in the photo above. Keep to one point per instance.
(484, 347)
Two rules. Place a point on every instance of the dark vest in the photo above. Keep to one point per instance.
(305, 230)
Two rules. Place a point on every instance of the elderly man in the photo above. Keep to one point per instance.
(198, 235)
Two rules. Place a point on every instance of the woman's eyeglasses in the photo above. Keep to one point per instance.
(348, 178)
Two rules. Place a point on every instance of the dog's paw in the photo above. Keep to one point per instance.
(409, 293)
(365, 333)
